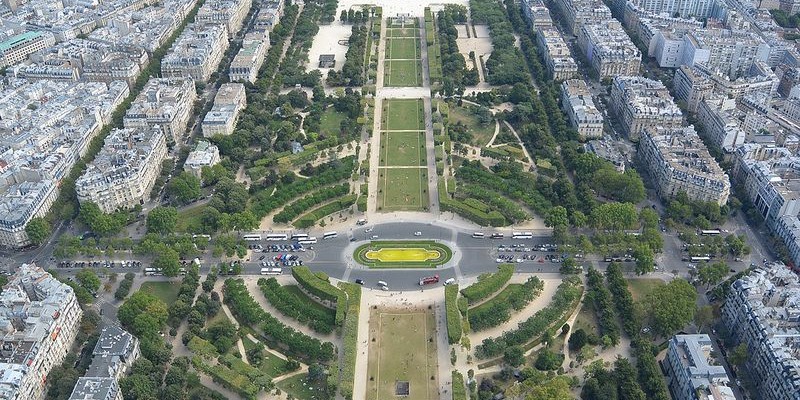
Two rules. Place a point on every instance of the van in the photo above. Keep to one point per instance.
(450, 281)
(382, 283)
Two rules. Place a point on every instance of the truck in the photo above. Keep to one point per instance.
(428, 280)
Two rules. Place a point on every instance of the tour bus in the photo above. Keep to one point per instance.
(329, 235)
(478, 235)
(149, 271)
(276, 236)
(309, 240)
(271, 271)
(698, 259)
(522, 235)
(251, 237)
(710, 232)
(299, 236)
(201, 236)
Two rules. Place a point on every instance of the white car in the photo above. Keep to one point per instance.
(368, 230)
(417, 233)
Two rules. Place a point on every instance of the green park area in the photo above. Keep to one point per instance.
(402, 149)
(402, 254)
(403, 115)
(402, 359)
(166, 291)
(402, 49)
(402, 73)
(402, 189)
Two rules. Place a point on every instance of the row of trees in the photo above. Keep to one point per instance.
(498, 309)
(124, 287)
(180, 308)
(293, 342)
(598, 297)
(505, 66)
(455, 74)
(292, 210)
(354, 69)
(488, 284)
(301, 309)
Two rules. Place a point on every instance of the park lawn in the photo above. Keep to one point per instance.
(271, 365)
(166, 291)
(640, 288)
(586, 320)
(330, 122)
(402, 351)
(481, 134)
(402, 48)
(402, 73)
(298, 387)
(403, 115)
(190, 219)
(402, 32)
(402, 189)
(402, 149)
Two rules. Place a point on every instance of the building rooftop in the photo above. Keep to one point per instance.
(94, 388)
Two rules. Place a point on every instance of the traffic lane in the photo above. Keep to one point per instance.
(401, 279)
(401, 230)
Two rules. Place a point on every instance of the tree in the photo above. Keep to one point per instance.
(222, 335)
(712, 274)
(704, 316)
(547, 360)
(143, 303)
(615, 216)
(569, 266)
(557, 219)
(168, 260)
(185, 188)
(88, 279)
(738, 356)
(99, 222)
(514, 356)
(162, 220)
(578, 339)
(645, 260)
(38, 229)
(316, 373)
(671, 306)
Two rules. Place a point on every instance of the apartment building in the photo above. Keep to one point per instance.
(17, 47)
(678, 161)
(770, 176)
(731, 52)
(113, 356)
(576, 13)
(39, 318)
(96, 389)
(248, 60)
(720, 127)
(762, 310)
(641, 103)
(204, 155)
(556, 54)
(229, 102)
(196, 53)
(576, 100)
(684, 8)
(537, 14)
(693, 372)
(229, 13)
(691, 86)
(166, 103)
(791, 7)
(608, 49)
(123, 173)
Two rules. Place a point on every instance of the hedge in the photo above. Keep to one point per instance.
(488, 284)
(292, 210)
(493, 218)
(350, 338)
(297, 308)
(124, 287)
(317, 285)
(361, 203)
(452, 313)
(459, 388)
(497, 310)
(567, 295)
(311, 218)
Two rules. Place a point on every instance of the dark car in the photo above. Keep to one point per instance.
(360, 281)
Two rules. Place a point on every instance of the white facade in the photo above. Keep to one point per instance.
(608, 49)
(576, 99)
(204, 155)
(39, 318)
(556, 54)
(231, 99)
(692, 369)
(248, 60)
(163, 103)
(16, 48)
(196, 53)
(641, 103)
(229, 13)
(719, 126)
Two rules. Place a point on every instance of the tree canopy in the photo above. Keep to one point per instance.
(671, 306)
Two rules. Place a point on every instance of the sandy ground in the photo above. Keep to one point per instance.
(327, 42)
(540, 302)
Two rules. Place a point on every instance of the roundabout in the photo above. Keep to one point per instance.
(402, 254)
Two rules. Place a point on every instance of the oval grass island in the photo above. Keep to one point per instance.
(402, 254)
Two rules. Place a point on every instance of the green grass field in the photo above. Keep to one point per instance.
(190, 219)
(410, 30)
(402, 73)
(166, 291)
(403, 115)
(330, 122)
(640, 288)
(402, 48)
(481, 133)
(402, 149)
(402, 189)
(299, 387)
(403, 350)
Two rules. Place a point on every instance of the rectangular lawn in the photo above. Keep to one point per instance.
(402, 352)
(403, 115)
(402, 73)
(166, 291)
(402, 48)
(402, 149)
(402, 189)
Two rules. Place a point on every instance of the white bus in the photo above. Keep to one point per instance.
(149, 271)
(271, 271)
(329, 235)
(710, 232)
(201, 236)
(276, 236)
(251, 237)
(522, 235)
(478, 235)
(310, 240)
(299, 236)
(698, 259)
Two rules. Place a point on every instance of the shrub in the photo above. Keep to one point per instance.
(350, 338)
(459, 389)
(452, 313)
(124, 287)
(319, 286)
(498, 309)
(291, 211)
(294, 307)
(311, 218)
(488, 284)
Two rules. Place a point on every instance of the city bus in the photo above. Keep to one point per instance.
(522, 235)
(271, 271)
(251, 237)
(329, 235)
(299, 236)
(698, 259)
(710, 232)
(478, 235)
(309, 240)
(149, 271)
(276, 236)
